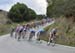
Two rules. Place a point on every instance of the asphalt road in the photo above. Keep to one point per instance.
(11, 45)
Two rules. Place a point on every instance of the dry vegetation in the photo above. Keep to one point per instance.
(66, 31)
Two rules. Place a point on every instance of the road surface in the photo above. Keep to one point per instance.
(11, 45)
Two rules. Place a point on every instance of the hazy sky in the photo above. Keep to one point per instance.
(38, 5)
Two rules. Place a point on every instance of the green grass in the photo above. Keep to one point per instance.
(6, 28)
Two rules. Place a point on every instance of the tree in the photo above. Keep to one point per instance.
(61, 7)
(32, 14)
(20, 12)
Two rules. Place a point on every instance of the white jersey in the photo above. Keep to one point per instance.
(52, 32)
(20, 27)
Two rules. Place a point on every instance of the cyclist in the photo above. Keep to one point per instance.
(52, 36)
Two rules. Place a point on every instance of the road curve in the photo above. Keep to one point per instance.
(11, 45)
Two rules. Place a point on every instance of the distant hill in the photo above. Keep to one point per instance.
(3, 17)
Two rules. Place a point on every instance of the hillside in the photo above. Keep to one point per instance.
(65, 31)
(4, 26)
(3, 17)
(64, 13)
